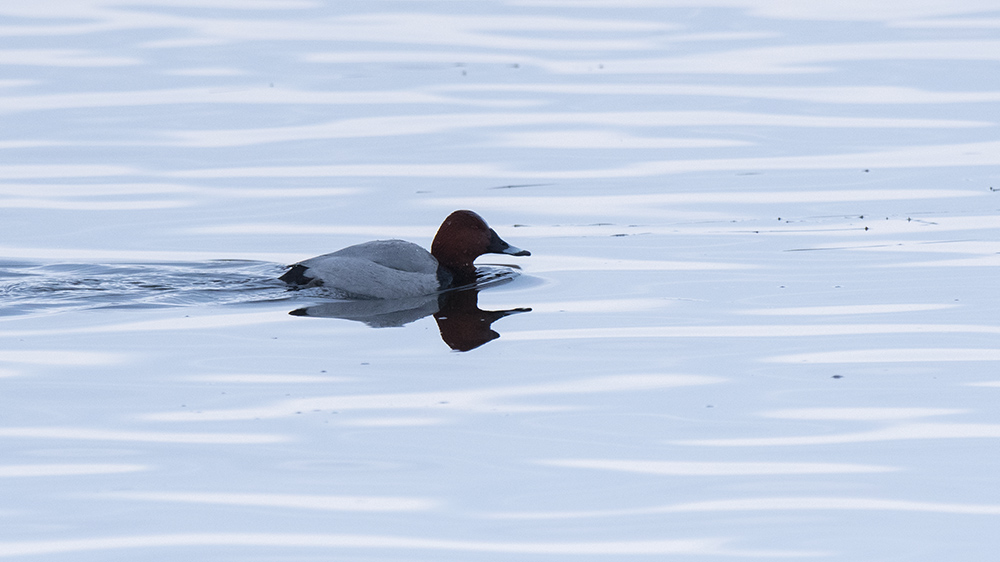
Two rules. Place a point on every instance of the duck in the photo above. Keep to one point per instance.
(397, 269)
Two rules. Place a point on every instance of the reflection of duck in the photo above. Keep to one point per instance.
(464, 326)
(395, 269)
(462, 323)
(377, 313)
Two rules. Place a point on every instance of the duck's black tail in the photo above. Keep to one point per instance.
(296, 275)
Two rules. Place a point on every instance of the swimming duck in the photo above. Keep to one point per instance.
(394, 269)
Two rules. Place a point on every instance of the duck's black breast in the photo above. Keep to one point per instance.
(445, 277)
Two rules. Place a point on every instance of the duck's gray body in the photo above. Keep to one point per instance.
(381, 269)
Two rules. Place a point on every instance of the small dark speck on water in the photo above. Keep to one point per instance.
(517, 185)
(837, 376)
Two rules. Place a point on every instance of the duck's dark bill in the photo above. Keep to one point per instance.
(498, 246)
(515, 251)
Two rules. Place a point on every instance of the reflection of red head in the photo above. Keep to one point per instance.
(463, 325)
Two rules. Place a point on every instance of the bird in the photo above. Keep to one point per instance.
(395, 269)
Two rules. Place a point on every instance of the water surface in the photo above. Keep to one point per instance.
(762, 294)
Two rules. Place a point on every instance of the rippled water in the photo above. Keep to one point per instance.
(58, 287)
(759, 319)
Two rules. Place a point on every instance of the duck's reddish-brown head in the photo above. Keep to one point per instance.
(463, 237)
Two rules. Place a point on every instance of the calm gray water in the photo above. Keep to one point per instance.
(763, 307)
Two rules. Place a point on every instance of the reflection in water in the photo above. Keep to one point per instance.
(482, 399)
(377, 313)
(36, 470)
(697, 468)
(86, 434)
(901, 432)
(771, 504)
(322, 502)
(286, 541)
(420, 124)
(464, 326)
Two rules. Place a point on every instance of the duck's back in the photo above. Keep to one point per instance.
(381, 269)
(394, 254)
